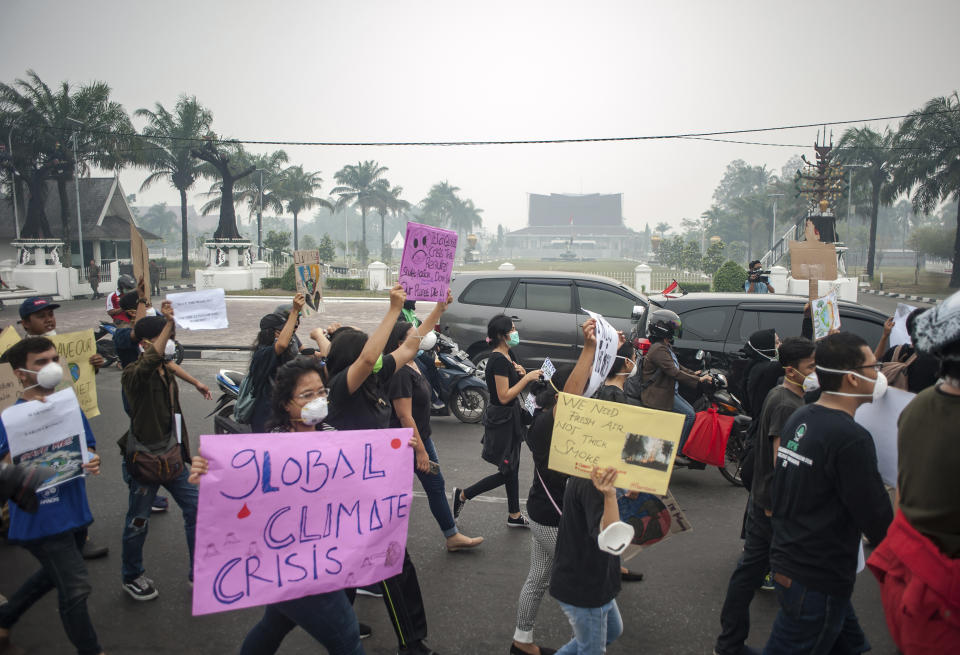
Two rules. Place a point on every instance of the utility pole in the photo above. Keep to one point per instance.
(13, 179)
(773, 232)
(76, 187)
(260, 217)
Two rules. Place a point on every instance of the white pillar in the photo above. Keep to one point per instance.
(778, 279)
(377, 275)
(642, 278)
(232, 257)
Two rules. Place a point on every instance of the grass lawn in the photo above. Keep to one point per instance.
(901, 279)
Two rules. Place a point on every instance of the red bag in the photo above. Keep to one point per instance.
(708, 438)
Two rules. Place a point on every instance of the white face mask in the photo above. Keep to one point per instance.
(811, 382)
(428, 341)
(633, 371)
(879, 385)
(314, 411)
(50, 333)
(48, 377)
(150, 312)
(169, 351)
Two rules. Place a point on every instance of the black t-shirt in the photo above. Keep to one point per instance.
(539, 506)
(497, 364)
(368, 408)
(583, 575)
(762, 377)
(779, 405)
(410, 383)
(826, 491)
(614, 394)
(922, 374)
(927, 468)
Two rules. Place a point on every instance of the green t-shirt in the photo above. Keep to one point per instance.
(928, 462)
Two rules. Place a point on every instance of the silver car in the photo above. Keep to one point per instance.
(546, 307)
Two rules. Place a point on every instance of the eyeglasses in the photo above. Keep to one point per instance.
(307, 396)
(877, 366)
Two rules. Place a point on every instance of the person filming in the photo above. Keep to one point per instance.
(757, 280)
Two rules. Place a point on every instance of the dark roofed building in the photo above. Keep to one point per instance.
(105, 215)
(590, 225)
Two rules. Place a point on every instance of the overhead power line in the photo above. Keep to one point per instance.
(514, 142)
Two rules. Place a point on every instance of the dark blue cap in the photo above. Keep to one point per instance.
(36, 304)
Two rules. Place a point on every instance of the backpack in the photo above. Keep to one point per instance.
(243, 407)
(896, 371)
(262, 366)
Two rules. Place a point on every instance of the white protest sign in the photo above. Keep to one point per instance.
(548, 369)
(826, 315)
(603, 359)
(200, 310)
(880, 420)
(530, 403)
(899, 335)
(48, 434)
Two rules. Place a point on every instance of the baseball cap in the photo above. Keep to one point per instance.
(273, 321)
(36, 304)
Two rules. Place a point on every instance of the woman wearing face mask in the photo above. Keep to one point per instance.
(271, 350)
(764, 371)
(504, 431)
(410, 395)
(299, 404)
(358, 375)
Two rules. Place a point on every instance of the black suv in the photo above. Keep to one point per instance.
(720, 324)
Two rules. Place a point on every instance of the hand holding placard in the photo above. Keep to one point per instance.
(427, 262)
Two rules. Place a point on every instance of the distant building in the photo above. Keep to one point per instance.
(105, 216)
(588, 225)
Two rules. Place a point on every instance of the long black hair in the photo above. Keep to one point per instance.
(498, 328)
(288, 376)
(397, 336)
(345, 349)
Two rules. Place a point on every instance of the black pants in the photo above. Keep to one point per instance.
(754, 564)
(401, 595)
(510, 481)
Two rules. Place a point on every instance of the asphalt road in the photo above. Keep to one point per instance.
(470, 596)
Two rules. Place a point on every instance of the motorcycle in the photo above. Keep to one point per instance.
(106, 348)
(229, 383)
(459, 390)
(717, 393)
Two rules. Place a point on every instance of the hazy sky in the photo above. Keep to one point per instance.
(404, 71)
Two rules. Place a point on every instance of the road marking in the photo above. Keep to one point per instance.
(482, 499)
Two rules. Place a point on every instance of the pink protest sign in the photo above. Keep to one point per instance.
(287, 515)
(427, 262)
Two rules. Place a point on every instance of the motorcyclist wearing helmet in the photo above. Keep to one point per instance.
(662, 373)
(125, 283)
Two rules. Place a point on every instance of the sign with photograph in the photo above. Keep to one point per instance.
(309, 279)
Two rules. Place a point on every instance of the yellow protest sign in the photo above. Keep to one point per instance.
(8, 337)
(640, 443)
(140, 258)
(75, 349)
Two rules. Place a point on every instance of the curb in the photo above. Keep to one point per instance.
(174, 287)
(903, 296)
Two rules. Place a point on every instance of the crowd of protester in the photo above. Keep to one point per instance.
(815, 490)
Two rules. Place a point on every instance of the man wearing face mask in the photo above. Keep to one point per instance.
(796, 357)
(826, 491)
(55, 534)
(151, 391)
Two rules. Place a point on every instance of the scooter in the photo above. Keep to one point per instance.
(106, 348)
(455, 383)
(223, 421)
(717, 394)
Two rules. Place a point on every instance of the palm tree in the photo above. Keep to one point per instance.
(168, 138)
(218, 160)
(928, 167)
(662, 228)
(871, 151)
(263, 188)
(360, 185)
(440, 204)
(465, 217)
(297, 188)
(101, 127)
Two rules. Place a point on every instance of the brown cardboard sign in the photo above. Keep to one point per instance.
(812, 260)
(140, 258)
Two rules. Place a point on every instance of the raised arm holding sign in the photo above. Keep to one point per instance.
(427, 262)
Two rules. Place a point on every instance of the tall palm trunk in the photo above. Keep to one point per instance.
(65, 222)
(955, 276)
(363, 232)
(296, 241)
(184, 243)
(382, 228)
(872, 244)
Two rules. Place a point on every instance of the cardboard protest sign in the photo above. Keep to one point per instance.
(812, 260)
(605, 355)
(427, 262)
(48, 433)
(140, 258)
(826, 315)
(282, 516)
(640, 443)
(9, 384)
(899, 335)
(75, 349)
(654, 519)
(200, 310)
(8, 337)
(309, 278)
(880, 420)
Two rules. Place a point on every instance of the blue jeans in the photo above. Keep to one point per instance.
(138, 519)
(62, 568)
(813, 623)
(328, 618)
(594, 628)
(433, 485)
(681, 406)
